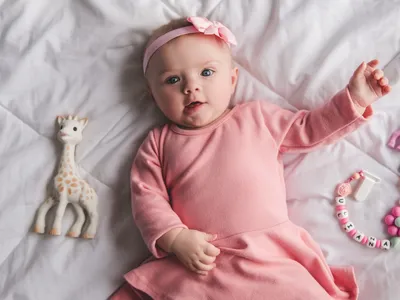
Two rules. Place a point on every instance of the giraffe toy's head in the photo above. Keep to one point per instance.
(71, 128)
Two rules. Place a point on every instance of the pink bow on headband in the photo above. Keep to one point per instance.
(207, 27)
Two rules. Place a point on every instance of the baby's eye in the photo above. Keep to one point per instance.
(172, 80)
(207, 72)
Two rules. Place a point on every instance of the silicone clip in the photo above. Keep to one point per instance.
(365, 186)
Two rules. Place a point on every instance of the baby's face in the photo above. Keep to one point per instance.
(192, 79)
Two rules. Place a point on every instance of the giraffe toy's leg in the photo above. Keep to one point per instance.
(91, 208)
(41, 215)
(76, 229)
(56, 230)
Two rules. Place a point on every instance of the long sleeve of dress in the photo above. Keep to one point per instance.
(151, 208)
(304, 130)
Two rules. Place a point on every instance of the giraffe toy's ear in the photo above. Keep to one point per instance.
(60, 119)
(83, 122)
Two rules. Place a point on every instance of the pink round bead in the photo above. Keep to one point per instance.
(356, 176)
(364, 240)
(378, 244)
(392, 230)
(389, 219)
(396, 211)
(344, 221)
(353, 232)
(340, 207)
(343, 189)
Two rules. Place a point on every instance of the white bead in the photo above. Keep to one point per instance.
(358, 236)
(340, 201)
(341, 214)
(349, 226)
(371, 242)
(385, 244)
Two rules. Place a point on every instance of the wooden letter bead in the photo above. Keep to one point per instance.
(349, 226)
(385, 244)
(358, 236)
(340, 201)
(341, 214)
(371, 242)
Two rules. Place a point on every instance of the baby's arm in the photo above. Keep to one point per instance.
(166, 240)
(305, 130)
(151, 208)
(161, 228)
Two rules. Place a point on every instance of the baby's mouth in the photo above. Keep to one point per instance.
(193, 104)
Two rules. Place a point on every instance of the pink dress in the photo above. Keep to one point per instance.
(227, 179)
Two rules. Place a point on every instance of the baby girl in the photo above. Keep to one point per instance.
(208, 192)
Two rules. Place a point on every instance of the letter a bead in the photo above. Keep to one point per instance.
(358, 236)
(385, 244)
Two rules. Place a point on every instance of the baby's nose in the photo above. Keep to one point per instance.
(191, 87)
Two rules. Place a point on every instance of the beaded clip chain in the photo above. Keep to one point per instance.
(392, 220)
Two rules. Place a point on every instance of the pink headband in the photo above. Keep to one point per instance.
(199, 25)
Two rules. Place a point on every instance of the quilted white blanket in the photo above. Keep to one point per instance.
(84, 57)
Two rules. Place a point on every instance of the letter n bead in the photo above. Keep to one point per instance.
(340, 201)
(371, 242)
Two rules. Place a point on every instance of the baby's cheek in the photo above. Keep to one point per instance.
(225, 89)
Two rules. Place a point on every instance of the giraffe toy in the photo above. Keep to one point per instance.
(68, 187)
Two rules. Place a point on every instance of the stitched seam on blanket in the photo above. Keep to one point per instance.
(214, 8)
(11, 113)
(104, 136)
(264, 84)
(177, 13)
(43, 136)
(170, 8)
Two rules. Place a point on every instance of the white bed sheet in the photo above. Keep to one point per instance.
(83, 57)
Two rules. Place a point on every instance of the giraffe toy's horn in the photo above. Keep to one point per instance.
(60, 119)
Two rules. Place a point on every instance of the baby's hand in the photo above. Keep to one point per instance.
(368, 84)
(193, 249)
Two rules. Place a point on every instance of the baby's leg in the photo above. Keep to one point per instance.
(126, 292)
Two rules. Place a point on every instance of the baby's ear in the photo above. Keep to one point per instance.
(234, 77)
(83, 122)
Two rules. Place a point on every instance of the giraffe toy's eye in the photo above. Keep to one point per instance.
(75, 129)
(61, 127)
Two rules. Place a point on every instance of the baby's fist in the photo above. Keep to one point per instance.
(368, 84)
(194, 250)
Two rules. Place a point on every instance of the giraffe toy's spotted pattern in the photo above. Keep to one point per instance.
(69, 187)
